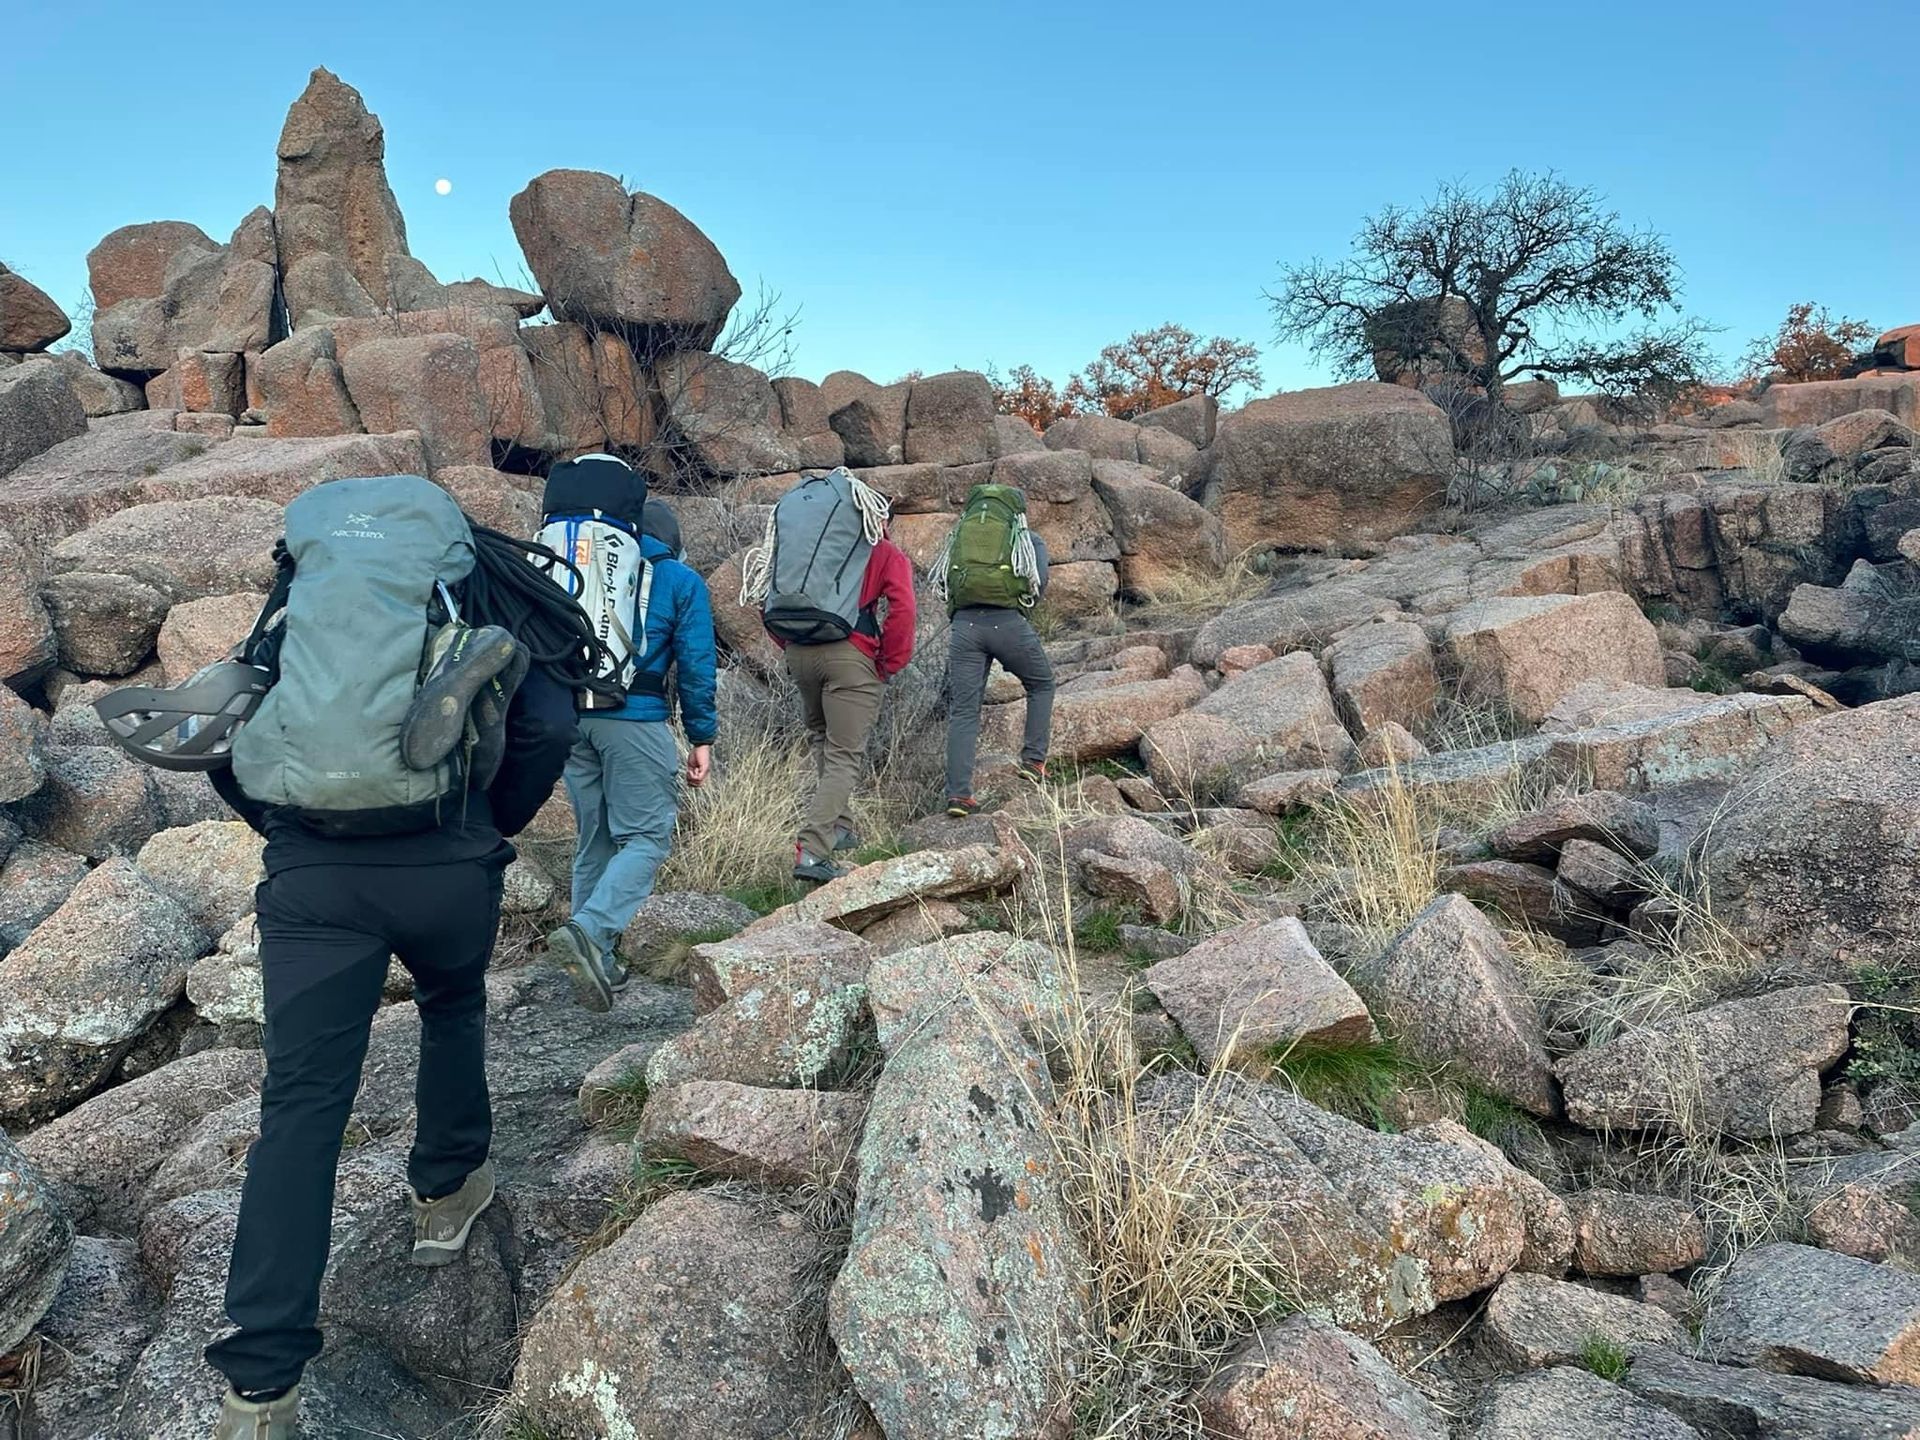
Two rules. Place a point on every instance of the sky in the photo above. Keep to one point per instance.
(965, 185)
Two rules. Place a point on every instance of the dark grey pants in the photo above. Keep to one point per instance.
(981, 635)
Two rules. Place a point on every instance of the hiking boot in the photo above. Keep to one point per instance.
(441, 1227)
(460, 663)
(844, 840)
(585, 965)
(259, 1419)
(1034, 770)
(811, 868)
(961, 806)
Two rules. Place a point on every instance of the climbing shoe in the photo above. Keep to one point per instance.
(576, 954)
(489, 720)
(441, 1227)
(961, 806)
(460, 662)
(275, 1419)
(812, 868)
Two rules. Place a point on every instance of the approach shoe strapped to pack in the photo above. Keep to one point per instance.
(441, 1227)
(489, 717)
(460, 662)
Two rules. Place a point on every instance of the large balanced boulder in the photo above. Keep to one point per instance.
(1817, 857)
(38, 409)
(29, 320)
(331, 196)
(1527, 652)
(1326, 468)
(960, 1222)
(1747, 1068)
(36, 1237)
(693, 1322)
(85, 985)
(131, 263)
(632, 262)
(219, 298)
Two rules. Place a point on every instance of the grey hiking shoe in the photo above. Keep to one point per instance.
(845, 839)
(441, 1227)
(812, 868)
(259, 1420)
(585, 966)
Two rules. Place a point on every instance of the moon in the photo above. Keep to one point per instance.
(443, 187)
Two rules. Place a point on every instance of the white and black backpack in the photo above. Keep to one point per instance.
(593, 514)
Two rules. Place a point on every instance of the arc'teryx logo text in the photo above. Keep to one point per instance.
(356, 529)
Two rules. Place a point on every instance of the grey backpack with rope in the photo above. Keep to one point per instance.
(368, 728)
(808, 574)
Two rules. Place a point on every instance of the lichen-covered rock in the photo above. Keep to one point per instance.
(1303, 1378)
(331, 195)
(38, 410)
(964, 1281)
(1256, 991)
(36, 1237)
(1372, 1228)
(1449, 988)
(185, 549)
(34, 882)
(693, 1322)
(1749, 1068)
(85, 985)
(1534, 1321)
(1716, 741)
(95, 800)
(746, 1132)
(105, 624)
(873, 891)
(1799, 1310)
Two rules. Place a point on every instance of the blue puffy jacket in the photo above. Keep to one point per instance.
(679, 633)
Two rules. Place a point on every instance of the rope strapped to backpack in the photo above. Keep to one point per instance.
(756, 569)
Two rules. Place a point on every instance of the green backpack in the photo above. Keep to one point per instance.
(980, 566)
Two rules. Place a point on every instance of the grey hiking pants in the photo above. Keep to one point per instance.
(981, 635)
(840, 695)
(623, 778)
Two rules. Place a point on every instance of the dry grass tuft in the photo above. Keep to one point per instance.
(1185, 595)
(1761, 453)
(1377, 865)
(736, 831)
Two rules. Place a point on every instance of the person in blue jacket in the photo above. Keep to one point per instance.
(623, 774)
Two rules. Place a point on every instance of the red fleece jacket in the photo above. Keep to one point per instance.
(889, 577)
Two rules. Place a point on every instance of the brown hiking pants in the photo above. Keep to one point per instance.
(840, 697)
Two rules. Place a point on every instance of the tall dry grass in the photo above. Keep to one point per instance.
(1185, 595)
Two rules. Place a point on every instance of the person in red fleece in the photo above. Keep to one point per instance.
(840, 686)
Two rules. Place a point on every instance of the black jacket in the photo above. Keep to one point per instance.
(541, 724)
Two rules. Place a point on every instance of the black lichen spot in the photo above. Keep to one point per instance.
(980, 1284)
(913, 1144)
(983, 1356)
(996, 1196)
(982, 1101)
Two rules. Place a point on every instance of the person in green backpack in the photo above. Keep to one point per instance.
(991, 571)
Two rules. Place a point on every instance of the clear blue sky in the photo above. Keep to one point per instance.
(958, 185)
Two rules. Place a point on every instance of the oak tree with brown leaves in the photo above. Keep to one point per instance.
(1809, 345)
(1147, 370)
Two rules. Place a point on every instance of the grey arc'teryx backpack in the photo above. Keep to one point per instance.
(818, 563)
(371, 562)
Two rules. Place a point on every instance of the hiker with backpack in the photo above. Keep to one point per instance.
(837, 596)
(403, 704)
(991, 571)
(651, 613)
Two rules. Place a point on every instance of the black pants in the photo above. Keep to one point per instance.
(325, 934)
(981, 635)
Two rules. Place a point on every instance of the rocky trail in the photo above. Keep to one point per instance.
(1459, 980)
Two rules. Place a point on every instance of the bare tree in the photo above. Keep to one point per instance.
(1528, 278)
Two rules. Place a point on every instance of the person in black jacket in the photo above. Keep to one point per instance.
(330, 913)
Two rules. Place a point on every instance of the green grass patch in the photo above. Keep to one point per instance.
(525, 1427)
(1604, 1358)
(619, 1105)
(1097, 929)
(1712, 678)
(1356, 1081)
(1499, 1121)
(767, 896)
(1071, 772)
(711, 936)
(879, 850)
(1297, 839)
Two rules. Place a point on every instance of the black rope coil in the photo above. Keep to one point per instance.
(505, 588)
